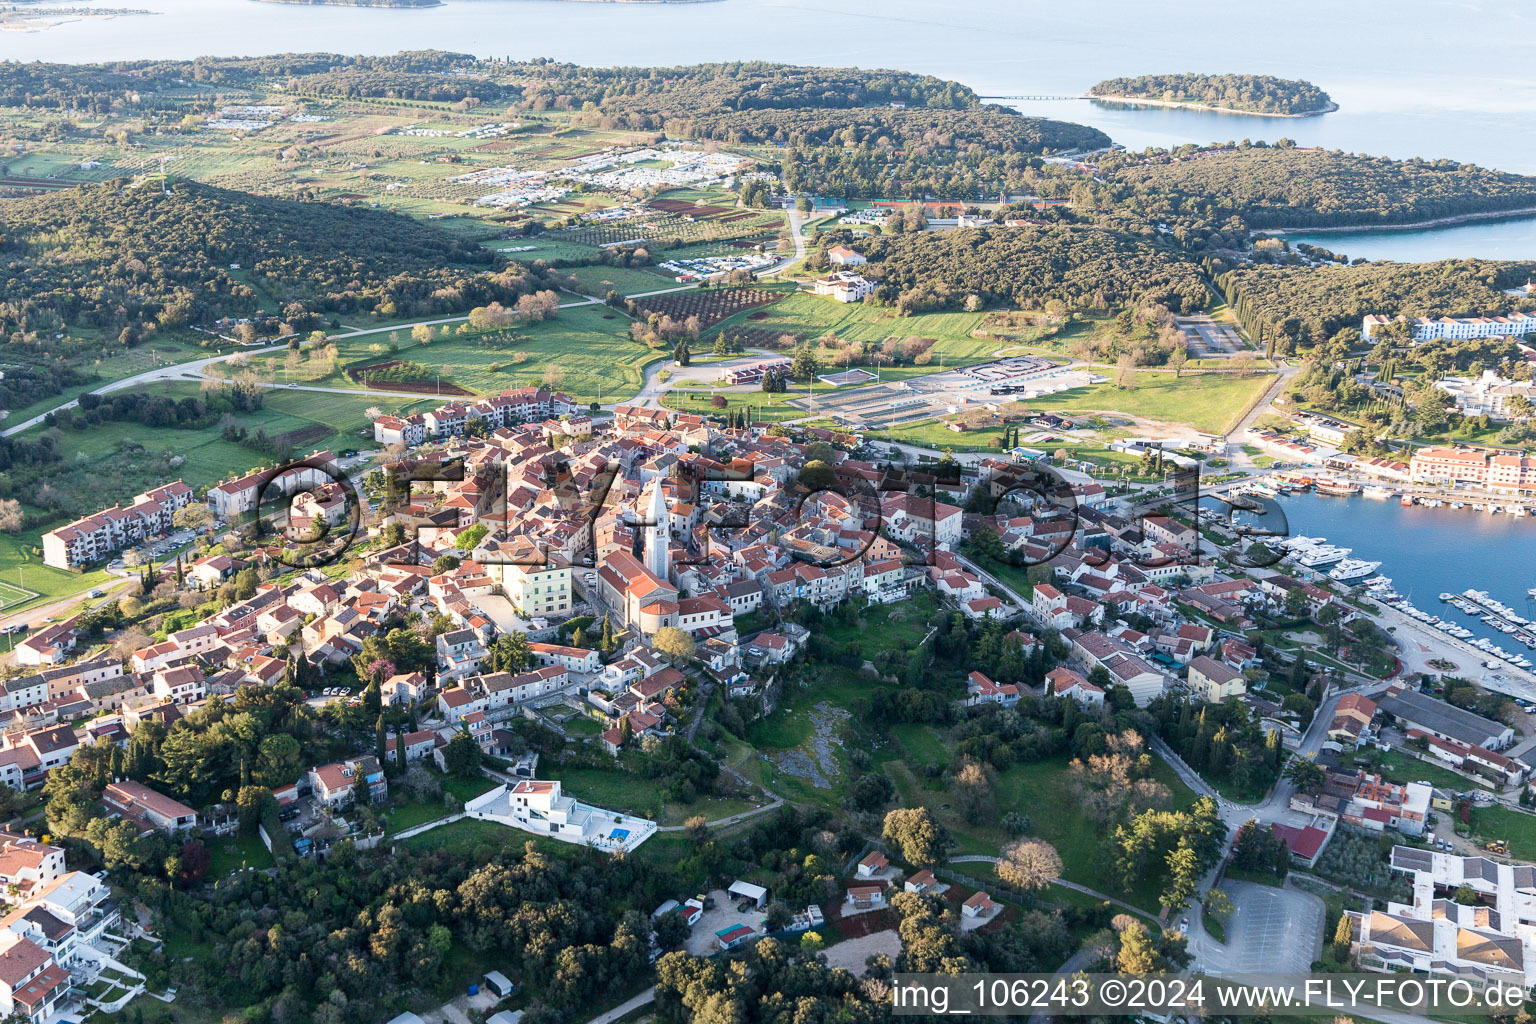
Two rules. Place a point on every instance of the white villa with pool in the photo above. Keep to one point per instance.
(537, 806)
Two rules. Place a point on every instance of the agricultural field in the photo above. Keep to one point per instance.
(711, 305)
(541, 247)
(600, 280)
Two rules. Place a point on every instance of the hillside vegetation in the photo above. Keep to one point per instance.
(159, 84)
(116, 254)
(640, 97)
(1303, 306)
(1083, 267)
(1280, 186)
(1260, 94)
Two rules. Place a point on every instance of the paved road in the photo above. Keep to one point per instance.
(731, 819)
(1239, 460)
(977, 858)
(194, 368)
(643, 999)
(159, 373)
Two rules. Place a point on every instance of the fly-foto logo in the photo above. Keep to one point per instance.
(311, 513)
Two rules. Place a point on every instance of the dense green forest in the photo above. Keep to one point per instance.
(990, 128)
(158, 84)
(1303, 306)
(1264, 94)
(116, 254)
(641, 97)
(1281, 186)
(1083, 267)
(917, 152)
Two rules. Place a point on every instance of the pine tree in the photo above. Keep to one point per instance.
(1282, 859)
(1343, 935)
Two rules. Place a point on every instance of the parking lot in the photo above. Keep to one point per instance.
(1271, 930)
(701, 941)
(1207, 339)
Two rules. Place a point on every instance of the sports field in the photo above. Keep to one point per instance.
(12, 595)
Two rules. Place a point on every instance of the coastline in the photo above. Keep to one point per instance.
(393, 5)
(1439, 222)
(365, 3)
(1177, 104)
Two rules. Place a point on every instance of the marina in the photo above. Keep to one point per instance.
(1428, 551)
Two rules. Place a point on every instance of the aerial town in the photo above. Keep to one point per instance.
(495, 541)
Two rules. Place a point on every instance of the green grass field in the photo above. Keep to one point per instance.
(114, 362)
(813, 316)
(543, 249)
(203, 457)
(1206, 402)
(619, 790)
(589, 343)
(1035, 789)
(231, 853)
(763, 406)
(1402, 767)
(1498, 822)
(101, 466)
(21, 567)
(920, 743)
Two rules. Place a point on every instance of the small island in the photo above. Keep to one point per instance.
(1259, 95)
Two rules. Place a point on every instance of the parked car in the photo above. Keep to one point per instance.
(98, 593)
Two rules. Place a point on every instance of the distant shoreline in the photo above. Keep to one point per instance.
(1438, 222)
(422, 4)
(1330, 108)
(391, 4)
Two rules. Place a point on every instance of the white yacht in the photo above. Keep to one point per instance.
(1353, 569)
(1316, 558)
